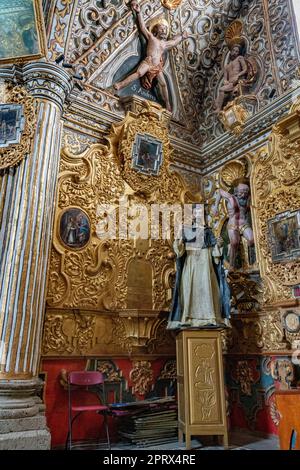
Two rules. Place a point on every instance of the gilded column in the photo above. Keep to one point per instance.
(27, 200)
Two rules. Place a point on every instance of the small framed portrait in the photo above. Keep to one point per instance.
(147, 154)
(74, 228)
(291, 321)
(284, 235)
(22, 31)
(12, 122)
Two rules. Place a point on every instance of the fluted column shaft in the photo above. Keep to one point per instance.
(27, 201)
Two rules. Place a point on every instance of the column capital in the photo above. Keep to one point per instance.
(47, 81)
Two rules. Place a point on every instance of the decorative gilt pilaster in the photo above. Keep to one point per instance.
(275, 188)
(26, 212)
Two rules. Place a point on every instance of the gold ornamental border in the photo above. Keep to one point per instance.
(12, 155)
(150, 122)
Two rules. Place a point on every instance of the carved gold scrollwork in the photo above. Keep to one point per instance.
(256, 334)
(139, 331)
(275, 188)
(141, 377)
(234, 116)
(100, 275)
(14, 153)
(246, 292)
(244, 376)
(168, 371)
(147, 118)
(106, 297)
(55, 338)
(100, 334)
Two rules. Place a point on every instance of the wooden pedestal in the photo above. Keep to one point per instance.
(201, 398)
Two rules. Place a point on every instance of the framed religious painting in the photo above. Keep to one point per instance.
(74, 228)
(147, 154)
(284, 235)
(22, 31)
(12, 123)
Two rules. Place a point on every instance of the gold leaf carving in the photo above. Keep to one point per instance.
(275, 189)
(97, 275)
(14, 153)
(142, 377)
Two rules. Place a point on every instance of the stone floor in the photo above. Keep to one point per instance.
(238, 440)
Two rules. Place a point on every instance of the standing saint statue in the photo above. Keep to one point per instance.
(152, 66)
(197, 298)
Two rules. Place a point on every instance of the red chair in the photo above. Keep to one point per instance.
(83, 380)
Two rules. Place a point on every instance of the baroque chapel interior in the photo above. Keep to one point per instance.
(149, 224)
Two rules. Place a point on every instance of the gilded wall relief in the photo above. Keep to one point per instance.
(275, 187)
(17, 124)
(256, 334)
(171, 4)
(244, 376)
(141, 377)
(75, 332)
(92, 267)
(98, 275)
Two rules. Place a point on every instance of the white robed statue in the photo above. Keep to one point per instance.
(197, 301)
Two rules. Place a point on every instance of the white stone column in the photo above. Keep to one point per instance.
(27, 201)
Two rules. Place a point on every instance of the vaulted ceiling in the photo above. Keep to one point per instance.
(97, 36)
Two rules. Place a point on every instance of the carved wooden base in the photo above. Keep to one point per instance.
(201, 397)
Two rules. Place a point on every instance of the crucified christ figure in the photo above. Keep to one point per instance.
(152, 66)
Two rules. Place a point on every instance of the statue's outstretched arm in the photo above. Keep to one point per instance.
(224, 194)
(136, 7)
(176, 40)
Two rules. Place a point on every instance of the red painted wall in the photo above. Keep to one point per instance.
(88, 425)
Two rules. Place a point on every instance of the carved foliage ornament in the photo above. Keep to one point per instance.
(149, 121)
(18, 123)
(256, 334)
(234, 116)
(69, 332)
(275, 189)
(141, 377)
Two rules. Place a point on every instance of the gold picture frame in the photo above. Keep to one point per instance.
(22, 31)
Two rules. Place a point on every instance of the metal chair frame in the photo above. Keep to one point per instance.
(85, 379)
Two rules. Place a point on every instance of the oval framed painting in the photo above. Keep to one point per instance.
(74, 228)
